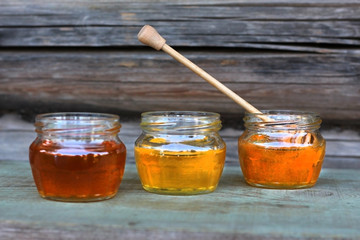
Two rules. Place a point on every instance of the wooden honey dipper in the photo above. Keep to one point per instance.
(149, 36)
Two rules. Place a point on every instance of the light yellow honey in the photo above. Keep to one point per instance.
(179, 172)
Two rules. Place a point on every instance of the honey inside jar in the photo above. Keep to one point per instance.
(180, 153)
(77, 157)
(172, 172)
(73, 173)
(287, 153)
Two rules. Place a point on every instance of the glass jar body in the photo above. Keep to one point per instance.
(177, 161)
(286, 153)
(77, 157)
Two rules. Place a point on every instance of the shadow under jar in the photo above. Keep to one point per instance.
(180, 153)
(77, 157)
(286, 152)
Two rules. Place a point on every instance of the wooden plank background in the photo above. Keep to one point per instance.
(184, 23)
(71, 55)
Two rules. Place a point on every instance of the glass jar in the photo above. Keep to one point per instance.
(180, 153)
(285, 151)
(77, 156)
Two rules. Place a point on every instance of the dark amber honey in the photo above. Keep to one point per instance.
(71, 171)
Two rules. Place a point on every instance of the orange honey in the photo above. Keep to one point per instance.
(285, 151)
(280, 166)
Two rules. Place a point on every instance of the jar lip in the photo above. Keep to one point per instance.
(283, 112)
(76, 116)
(197, 114)
(283, 119)
(77, 123)
(180, 121)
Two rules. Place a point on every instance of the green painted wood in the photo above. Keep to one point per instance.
(330, 210)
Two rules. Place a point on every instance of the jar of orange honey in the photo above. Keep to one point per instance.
(77, 157)
(180, 153)
(285, 151)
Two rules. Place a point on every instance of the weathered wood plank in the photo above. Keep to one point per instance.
(283, 25)
(342, 150)
(140, 81)
(330, 210)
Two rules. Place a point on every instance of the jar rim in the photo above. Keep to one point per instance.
(76, 116)
(180, 121)
(267, 112)
(77, 123)
(197, 114)
(283, 119)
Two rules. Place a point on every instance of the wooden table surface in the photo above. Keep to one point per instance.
(330, 210)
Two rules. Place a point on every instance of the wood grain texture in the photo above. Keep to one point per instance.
(286, 25)
(137, 81)
(330, 210)
(293, 54)
(342, 150)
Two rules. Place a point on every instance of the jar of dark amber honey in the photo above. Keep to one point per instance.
(285, 151)
(180, 153)
(77, 157)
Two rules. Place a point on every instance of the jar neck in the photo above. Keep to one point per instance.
(76, 124)
(180, 122)
(282, 120)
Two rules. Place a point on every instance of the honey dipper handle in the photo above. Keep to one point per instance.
(221, 87)
(149, 36)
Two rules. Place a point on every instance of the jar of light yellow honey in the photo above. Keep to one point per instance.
(180, 153)
(284, 151)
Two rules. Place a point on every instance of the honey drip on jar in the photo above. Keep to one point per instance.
(179, 172)
(74, 172)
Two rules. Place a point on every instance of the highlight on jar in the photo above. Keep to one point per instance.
(180, 153)
(285, 151)
(77, 157)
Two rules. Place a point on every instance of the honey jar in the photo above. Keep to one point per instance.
(77, 157)
(180, 153)
(286, 151)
